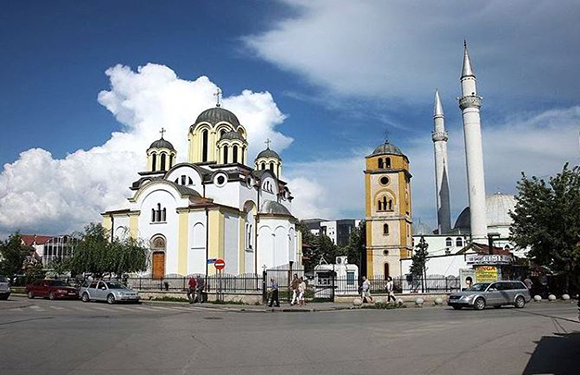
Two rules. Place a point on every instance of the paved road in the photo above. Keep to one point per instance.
(71, 337)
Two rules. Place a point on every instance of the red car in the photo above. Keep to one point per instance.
(53, 289)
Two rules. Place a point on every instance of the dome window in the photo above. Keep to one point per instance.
(204, 145)
(235, 154)
(381, 165)
(225, 154)
(153, 162)
(220, 180)
(163, 159)
(387, 162)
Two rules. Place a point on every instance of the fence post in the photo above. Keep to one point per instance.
(332, 282)
(264, 291)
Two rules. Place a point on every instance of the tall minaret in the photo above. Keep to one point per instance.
(470, 103)
(440, 137)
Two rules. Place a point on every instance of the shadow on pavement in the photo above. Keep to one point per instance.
(556, 355)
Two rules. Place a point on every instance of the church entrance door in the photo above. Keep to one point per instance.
(158, 265)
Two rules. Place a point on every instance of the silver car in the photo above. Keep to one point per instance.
(491, 294)
(110, 291)
(4, 288)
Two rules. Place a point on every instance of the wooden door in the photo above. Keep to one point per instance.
(158, 265)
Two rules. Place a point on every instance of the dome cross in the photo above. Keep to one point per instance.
(267, 142)
(162, 131)
(218, 94)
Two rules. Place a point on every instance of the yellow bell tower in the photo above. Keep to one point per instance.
(388, 211)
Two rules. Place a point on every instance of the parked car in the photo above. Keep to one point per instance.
(494, 294)
(4, 288)
(110, 291)
(52, 289)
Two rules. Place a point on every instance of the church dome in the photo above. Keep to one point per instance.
(497, 208)
(232, 135)
(217, 114)
(162, 143)
(275, 208)
(387, 148)
(267, 153)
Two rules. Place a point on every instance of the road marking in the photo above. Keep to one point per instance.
(56, 308)
(37, 308)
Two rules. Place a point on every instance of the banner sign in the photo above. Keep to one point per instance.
(485, 274)
(489, 259)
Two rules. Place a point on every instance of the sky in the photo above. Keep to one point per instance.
(86, 86)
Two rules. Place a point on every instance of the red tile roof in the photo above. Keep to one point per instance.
(33, 239)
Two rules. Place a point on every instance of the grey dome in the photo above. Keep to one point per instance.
(217, 114)
(387, 148)
(162, 143)
(267, 153)
(497, 208)
(271, 207)
(232, 135)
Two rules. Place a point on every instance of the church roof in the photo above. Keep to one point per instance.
(232, 135)
(162, 143)
(387, 148)
(275, 208)
(268, 153)
(217, 114)
(184, 190)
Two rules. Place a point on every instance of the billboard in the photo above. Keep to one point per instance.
(485, 274)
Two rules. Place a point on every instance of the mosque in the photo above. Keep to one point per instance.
(390, 232)
(213, 206)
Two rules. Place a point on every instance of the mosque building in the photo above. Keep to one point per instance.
(212, 206)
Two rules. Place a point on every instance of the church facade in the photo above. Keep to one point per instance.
(212, 206)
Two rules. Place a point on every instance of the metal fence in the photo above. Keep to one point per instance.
(243, 284)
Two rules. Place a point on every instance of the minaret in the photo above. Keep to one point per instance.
(470, 103)
(440, 137)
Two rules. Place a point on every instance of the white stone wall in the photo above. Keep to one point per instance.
(196, 252)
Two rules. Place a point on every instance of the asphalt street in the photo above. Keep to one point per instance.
(71, 337)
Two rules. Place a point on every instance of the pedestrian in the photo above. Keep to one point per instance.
(192, 284)
(390, 290)
(294, 288)
(528, 282)
(301, 291)
(274, 293)
(366, 290)
(200, 288)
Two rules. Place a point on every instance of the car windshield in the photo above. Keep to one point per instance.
(2, 279)
(479, 287)
(57, 283)
(115, 286)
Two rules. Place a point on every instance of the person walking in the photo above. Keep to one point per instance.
(200, 287)
(294, 288)
(301, 291)
(390, 290)
(192, 284)
(366, 290)
(529, 283)
(274, 293)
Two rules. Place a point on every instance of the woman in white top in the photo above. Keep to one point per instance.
(301, 291)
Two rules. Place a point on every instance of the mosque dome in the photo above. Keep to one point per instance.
(275, 208)
(162, 143)
(387, 148)
(421, 229)
(232, 135)
(267, 153)
(217, 114)
(497, 208)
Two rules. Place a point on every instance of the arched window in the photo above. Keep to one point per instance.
(263, 166)
(163, 157)
(170, 161)
(164, 215)
(388, 163)
(204, 145)
(382, 204)
(158, 213)
(225, 154)
(272, 166)
(154, 162)
(386, 270)
(189, 181)
(390, 206)
(235, 154)
(152, 215)
(459, 242)
(381, 166)
(183, 177)
(222, 132)
(448, 242)
(385, 229)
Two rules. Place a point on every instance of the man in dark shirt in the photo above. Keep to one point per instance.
(274, 295)
(200, 287)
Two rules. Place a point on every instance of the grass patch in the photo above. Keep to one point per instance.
(170, 299)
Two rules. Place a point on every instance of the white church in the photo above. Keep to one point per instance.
(213, 206)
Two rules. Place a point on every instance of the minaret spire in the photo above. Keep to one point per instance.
(440, 137)
(470, 104)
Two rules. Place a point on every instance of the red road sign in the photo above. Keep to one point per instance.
(219, 264)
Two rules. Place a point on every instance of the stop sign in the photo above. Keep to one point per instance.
(219, 264)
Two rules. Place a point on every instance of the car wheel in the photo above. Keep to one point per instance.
(520, 302)
(30, 295)
(85, 297)
(110, 299)
(479, 304)
(51, 296)
(457, 307)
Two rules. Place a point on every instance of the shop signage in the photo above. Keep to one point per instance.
(485, 274)
(476, 259)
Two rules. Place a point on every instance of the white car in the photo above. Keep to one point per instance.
(110, 291)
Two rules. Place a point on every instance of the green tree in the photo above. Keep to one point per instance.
(547, 220)
(356, 245)
(95, 253)
(316, 247)
(12, 255)
(419, 266)
(59, 266)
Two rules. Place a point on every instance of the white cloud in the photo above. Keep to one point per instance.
(538, 144)
(41, 194)
(405, 49)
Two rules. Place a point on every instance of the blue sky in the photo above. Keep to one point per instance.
(340, 72)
